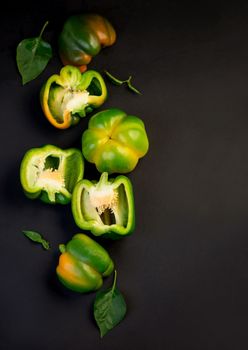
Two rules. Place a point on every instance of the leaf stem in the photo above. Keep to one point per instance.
(131, 87)
(43, 28)
(114, 283)
(114, 79)
(120, 82)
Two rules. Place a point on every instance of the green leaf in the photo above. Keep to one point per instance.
(36, 237)
(32, 56)
(109, 308)
(120, 82)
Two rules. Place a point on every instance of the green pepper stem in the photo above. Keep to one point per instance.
(43, 28)
(62, 248)
(103, 180)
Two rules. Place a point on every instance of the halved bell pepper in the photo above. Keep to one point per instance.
(67, 97)
(114, 141)
(82, 37)
(50, 173)
(105, 208)
(83, 264)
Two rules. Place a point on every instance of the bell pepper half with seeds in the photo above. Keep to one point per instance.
(50, 173)
(83, 264)
(106, 208)
(69, 96)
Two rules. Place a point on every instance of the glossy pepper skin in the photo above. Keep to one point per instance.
(114, 141)
(50, 173)
(82, 38)
(106, 208)
(83, 264)
(70, 95)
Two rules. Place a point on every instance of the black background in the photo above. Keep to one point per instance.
(184, 271)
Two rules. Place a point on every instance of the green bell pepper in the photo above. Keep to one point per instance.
(114, 141)
(83, 264)
(50, 173)
(67, 97)
(82, 37)
(105, 208)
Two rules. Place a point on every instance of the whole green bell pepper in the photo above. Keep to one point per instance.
(105, 208)
(82, 37)
(83, 264)
(67, 97)
(50, 173)
(114, 141)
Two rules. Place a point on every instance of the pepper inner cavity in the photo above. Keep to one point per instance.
(104, 200)
(95, 87)
(107, 205)
(48, 173)
(108, 217)
(52, 162)
(63, 100)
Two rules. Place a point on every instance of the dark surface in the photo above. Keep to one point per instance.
(184, 271)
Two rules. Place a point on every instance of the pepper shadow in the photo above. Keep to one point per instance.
(13, 197)
(67, 223)
(12, 193)
(68, 226)
(35, 113)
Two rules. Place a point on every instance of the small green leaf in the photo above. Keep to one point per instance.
(109, 308)
(36, 237)
(32, 56)
(45, 244)
(120, 82)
